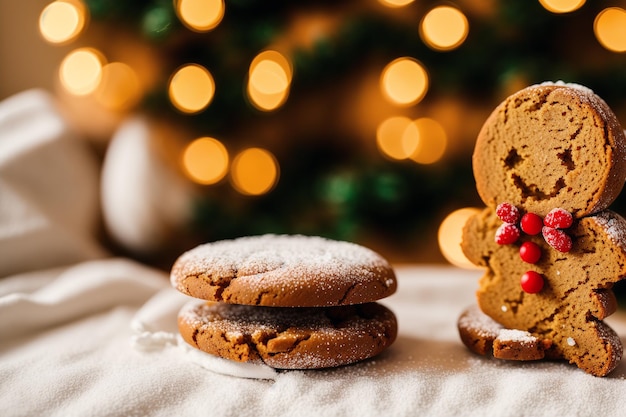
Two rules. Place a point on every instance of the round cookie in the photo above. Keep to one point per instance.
(284, 271)
(551, 145)
(288, 338)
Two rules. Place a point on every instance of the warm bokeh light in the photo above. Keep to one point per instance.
(397, 137)
(450, 236)
(266, 102)
(200, 15)
(404, 81)
(191, 88)
(444, 28)
(268, 77)
(396, 3)
(269, 80)
(562, 6)
(81, 71)
(276, 58)
(119, 88)
(62, 21)
(254, 171)
(205, 160)
(432, 141)
(610, 29)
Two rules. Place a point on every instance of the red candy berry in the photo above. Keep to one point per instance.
(507, 233)
(507, 212)
(530, 252)
(532, 282)
(531, 224)
(558, 218)
(558, 239)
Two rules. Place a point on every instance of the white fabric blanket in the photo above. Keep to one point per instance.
(67, 350)
(49, 204)
(83, 334)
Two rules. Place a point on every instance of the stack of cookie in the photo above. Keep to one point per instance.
(290, 302)
(548, 162)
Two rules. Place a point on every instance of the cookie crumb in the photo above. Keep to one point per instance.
(512, 335)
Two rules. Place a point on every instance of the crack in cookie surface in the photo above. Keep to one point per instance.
(289, 338)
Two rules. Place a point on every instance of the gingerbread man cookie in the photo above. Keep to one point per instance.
(548, 162)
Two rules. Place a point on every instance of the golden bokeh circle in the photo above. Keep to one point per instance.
(396, 3)
(191, 88)
(62, 21)
(404, 81)
(609, 27)
(562, 6)
(254, 171)
(205, 160)
(444, 28)
(450, 236)
(80, 71)
(269, 80)
(200, 15)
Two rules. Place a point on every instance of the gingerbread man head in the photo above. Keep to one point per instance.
(551, 145)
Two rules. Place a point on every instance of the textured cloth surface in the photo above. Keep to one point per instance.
(49, 204)
(67, 336)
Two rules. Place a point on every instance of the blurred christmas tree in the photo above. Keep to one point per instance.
(354, 119)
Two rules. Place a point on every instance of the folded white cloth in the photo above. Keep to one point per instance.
(60, 295)
(49, 204)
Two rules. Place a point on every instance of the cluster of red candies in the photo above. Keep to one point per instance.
(551, 227)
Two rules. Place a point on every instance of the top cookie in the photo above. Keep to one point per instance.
(551, 145)
(284, 271)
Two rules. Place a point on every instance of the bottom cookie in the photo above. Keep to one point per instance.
(289, 337)
(482, 335)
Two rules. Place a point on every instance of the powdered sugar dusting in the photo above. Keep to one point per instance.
(479, 323)
(519, 336)
(614, 225)
(258, 254)
(289, 265)
(560, 83)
